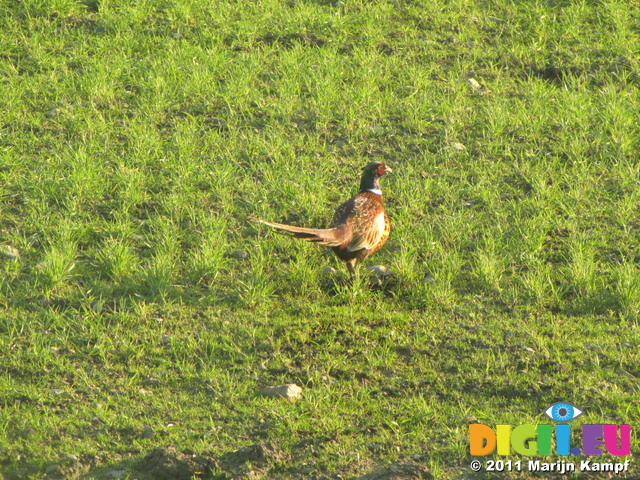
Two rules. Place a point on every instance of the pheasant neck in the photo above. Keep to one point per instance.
(371, 184)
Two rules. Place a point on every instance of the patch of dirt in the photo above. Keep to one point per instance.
(252, 462)
(289, 40)
(621, 69)
(399, 471)
(170, 464)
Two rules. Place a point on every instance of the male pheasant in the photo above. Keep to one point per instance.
(360, 225)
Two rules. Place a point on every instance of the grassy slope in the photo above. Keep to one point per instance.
(137, 138)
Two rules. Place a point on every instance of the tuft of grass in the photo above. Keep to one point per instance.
(57, 269)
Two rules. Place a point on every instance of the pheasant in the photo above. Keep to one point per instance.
(360, 226)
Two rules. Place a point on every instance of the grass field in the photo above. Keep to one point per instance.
(145, 311)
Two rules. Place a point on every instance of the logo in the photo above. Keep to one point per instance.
(538, 439)
(563, 412)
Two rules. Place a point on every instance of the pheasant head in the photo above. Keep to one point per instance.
(371, 177)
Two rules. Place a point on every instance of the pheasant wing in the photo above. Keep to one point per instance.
(368, 230)
(364, 216)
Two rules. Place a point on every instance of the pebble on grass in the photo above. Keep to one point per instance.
(428, 278)
(147, 432)
(240, 254)
(290, 391)
(9, 252)
(380, 270)
(474, 83)
(54, 112)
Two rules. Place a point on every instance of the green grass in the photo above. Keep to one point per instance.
(137, 137)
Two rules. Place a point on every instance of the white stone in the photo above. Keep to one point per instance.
(290, 391)
(380, 270)
(9, 252)
(474, 83)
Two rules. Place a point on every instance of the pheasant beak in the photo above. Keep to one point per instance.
(387, 169)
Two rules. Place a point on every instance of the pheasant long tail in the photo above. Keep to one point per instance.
(323, 236)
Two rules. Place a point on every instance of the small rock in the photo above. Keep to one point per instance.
(9, 252)
(51, 469)
(143, 391)
(428, 278)
(148, 432)
(529, 349)
(56, 391)
(116, 474)
(71, 457)
(380, 270)
(377, 128)
(54, 112)
(240, 254)
(328, 379)
(624, 373)
(48, 301)
(151, 382)
(494, 19)
(474, 83)
(328, 270)
(34, 240)
(290, 391)
(165, 340)
(217, 123)
(458, 146)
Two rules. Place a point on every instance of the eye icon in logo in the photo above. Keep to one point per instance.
(563, 412)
